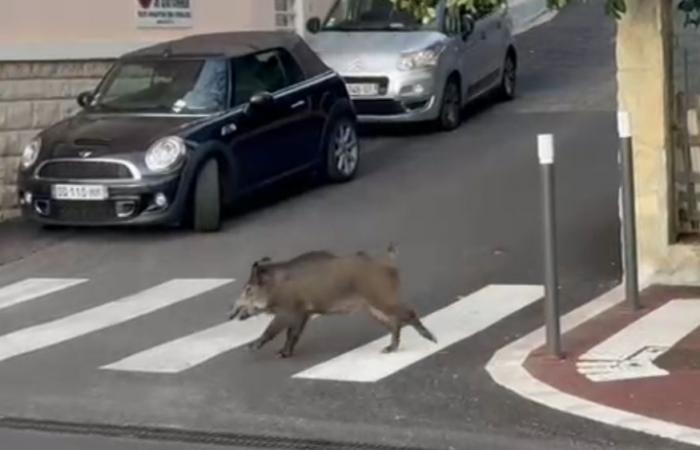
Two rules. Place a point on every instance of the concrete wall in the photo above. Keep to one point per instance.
(70, 26)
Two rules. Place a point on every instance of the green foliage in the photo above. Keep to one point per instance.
(615, 8)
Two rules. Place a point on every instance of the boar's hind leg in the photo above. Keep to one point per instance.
(393, 324)
(293, 334)
(278, 324)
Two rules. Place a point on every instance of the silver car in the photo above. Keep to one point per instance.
(400, 66)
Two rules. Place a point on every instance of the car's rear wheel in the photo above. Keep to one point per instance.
(451, 107)
(342, 150)
(206, 202)
(506, 90)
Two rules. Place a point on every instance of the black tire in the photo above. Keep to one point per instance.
(341, 150)
(450, 116)
(206, 201)
(507, 88)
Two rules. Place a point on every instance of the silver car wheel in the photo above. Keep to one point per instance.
(451, 106)
(345, 148)
(509, 77)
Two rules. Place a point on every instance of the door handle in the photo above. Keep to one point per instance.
(299, 104)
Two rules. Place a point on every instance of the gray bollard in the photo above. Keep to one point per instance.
(545, 152)
(629, 228)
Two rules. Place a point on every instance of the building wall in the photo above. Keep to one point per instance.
(48, 55)
(644, 58)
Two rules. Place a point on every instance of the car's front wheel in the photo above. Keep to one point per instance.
(206, 207)
(506, 90)
(451, 107)
(342, 150)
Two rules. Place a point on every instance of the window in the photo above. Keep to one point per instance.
(268, 71)
(168, 86)
(284, 14)
(453, 23)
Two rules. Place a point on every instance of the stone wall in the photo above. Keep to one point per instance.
(34, 95)
(645, 80)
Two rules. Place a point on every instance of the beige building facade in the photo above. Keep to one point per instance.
(50, 51)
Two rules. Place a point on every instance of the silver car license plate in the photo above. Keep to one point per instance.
(87, 192)
(363, 89)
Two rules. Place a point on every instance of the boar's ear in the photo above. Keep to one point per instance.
(261, 273)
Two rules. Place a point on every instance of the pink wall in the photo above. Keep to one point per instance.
(67, 23)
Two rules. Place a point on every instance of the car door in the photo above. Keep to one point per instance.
(467, 47)
(270, 139)
(488, 32)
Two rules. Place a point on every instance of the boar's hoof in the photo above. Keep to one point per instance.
(284, 354)
(389, 349)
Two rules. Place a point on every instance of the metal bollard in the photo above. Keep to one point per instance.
(545, 152)
(629, 228)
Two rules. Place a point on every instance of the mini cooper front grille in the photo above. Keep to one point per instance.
(85, 170)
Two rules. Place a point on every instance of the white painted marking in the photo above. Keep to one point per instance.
(506, 368)
(189, 351)
(624, 130)
(545, 148)
(50, 333)
(33, 288)
(458, 321)
(631, 352)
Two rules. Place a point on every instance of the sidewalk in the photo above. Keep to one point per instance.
(638, 370)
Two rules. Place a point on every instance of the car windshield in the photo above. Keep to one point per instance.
(378, 15)
(192, 86)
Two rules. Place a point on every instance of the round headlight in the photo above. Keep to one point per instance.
(165, 154)
(31, 153)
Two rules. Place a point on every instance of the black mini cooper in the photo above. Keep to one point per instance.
(176, 132)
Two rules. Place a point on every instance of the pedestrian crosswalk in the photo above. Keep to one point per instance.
(453, 323)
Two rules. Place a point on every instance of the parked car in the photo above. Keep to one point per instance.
(400, 67)
(176, 132)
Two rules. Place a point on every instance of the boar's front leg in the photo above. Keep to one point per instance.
(279, 323)
(293, 334)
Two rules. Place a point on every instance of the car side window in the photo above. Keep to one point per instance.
(453, 23)
(268, 71)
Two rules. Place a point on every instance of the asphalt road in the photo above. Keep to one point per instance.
(464, 210)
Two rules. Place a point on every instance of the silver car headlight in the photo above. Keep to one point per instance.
(165, 154)
(31, 153)
(427, 57)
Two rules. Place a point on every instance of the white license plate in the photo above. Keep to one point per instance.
(79, 192)
(363, 89)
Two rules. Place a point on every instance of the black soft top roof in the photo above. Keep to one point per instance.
(233, 44)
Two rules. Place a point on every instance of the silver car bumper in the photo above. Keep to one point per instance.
(403, 97)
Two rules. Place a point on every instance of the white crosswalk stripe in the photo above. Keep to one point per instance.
(145, 302)
(631, 352)
(451, 324)
(33, 288)
(189, 351)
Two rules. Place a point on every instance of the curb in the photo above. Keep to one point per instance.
(506, 369)
(527, 14)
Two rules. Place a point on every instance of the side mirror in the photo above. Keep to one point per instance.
(260, 102)
(85, 99)
(468, 24)
(313, 25)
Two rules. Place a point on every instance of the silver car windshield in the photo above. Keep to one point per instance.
(379, 15)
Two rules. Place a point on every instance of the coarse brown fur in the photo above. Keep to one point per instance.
(322, 283)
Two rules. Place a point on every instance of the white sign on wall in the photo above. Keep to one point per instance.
(163, 13)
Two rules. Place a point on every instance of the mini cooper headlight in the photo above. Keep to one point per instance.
(165, 154)
(30, 153)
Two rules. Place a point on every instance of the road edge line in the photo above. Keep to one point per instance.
(507, 370)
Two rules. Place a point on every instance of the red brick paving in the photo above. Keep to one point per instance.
(674, 398)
